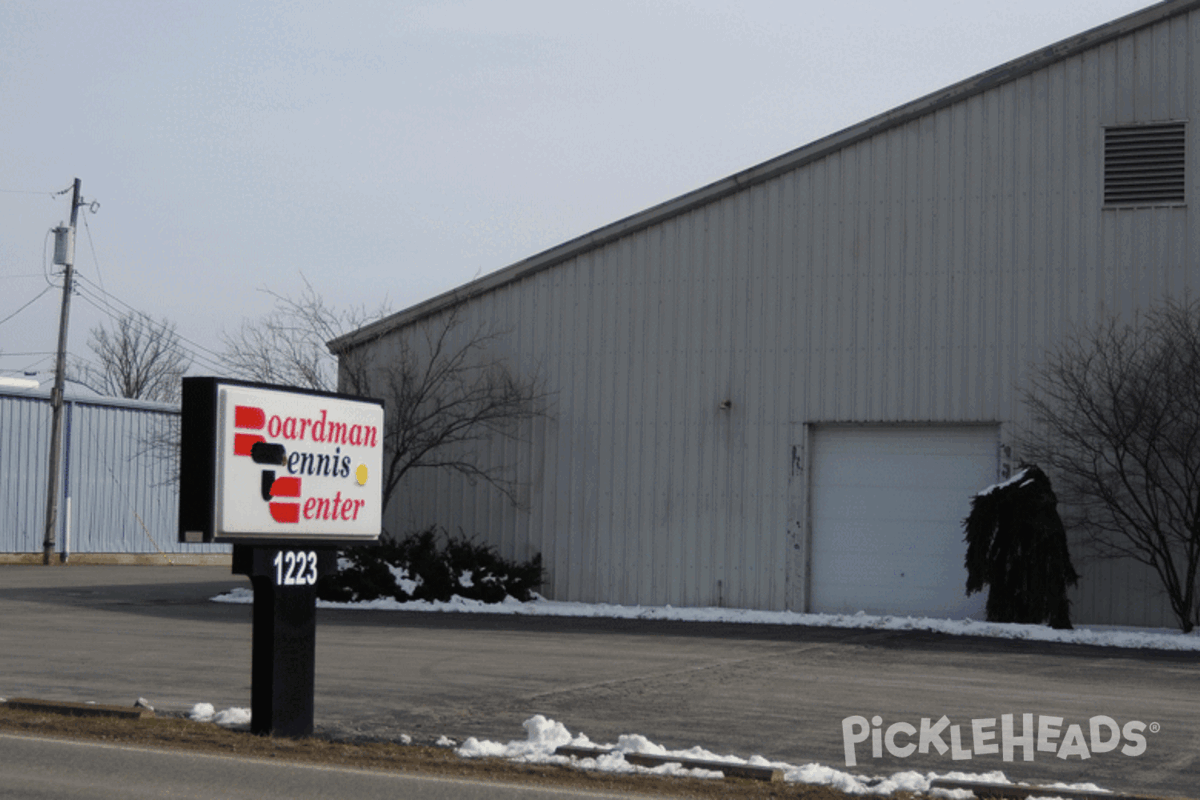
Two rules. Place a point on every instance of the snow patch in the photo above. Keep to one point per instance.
(232, 717)
(403, 581)
(1097, 635)
(229, 718)
(995, 487)
(544, 736)
(238, 595)
(202, 712)
(952, 794)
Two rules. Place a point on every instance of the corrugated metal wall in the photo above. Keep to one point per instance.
(24, 452)
(914, 276)
(117, 472)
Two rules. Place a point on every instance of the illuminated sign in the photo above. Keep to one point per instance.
(274, 463)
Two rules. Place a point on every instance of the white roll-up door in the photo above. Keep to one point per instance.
(887, 509)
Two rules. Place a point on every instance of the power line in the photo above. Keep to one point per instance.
(104, 302)
(95, 260)
(114, 313)
(35, 363)
(45, 192)
(148, 318)
(193, 355)
(27, 305)
(97, 296)
(103, 305)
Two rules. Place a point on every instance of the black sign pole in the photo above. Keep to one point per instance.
(283, 649)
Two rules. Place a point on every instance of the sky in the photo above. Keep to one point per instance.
(387, 152)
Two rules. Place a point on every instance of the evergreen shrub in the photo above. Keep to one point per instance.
(430, 565)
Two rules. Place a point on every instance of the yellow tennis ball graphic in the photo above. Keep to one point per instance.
(361, 474)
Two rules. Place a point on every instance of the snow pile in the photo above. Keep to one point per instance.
(952, 794)
(238, 595)
(544, 736)
(202, 712)
(229, 718)
(1099, 635)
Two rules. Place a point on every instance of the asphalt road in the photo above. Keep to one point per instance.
(34, 768)
(112, 634)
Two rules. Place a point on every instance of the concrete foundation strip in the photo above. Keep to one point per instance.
(1009, 791)
(79, 709)
(771, 774)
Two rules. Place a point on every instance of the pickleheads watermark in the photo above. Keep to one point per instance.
(1043, 734)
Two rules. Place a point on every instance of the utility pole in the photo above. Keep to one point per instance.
(56, 394)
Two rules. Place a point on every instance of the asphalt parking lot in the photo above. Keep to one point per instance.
(113, 634)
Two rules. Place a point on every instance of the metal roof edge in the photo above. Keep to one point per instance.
(793, 159)
(90, 400)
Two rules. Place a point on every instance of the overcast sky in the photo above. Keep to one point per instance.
(400, 149)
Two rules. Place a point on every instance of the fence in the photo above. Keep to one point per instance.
(119, 493)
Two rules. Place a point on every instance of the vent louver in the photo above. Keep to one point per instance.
(1144, 165)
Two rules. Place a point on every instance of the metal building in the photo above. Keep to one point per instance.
(120, 493)
(747, 376)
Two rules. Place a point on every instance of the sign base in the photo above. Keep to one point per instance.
(283, 649)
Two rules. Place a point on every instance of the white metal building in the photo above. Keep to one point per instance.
(781, 390)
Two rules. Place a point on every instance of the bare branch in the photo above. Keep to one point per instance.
(446, 394)
(288, 345)
(1116, 415)
(138, 358)
(445, 389)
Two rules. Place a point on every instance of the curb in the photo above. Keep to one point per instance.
(1021, 791)
(769, 774)
(79, 709)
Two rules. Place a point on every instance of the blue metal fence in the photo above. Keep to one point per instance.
(120, 488)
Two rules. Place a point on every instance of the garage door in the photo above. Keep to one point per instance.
(887, 511)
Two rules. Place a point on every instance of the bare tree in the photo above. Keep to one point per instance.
(1117, 421)
(446, 391)
(288, 345)
(445, 387)
(138, 358)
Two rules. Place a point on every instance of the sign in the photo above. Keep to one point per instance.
(274, 463)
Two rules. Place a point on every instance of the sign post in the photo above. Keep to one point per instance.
(283, 652)
(287, 476)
